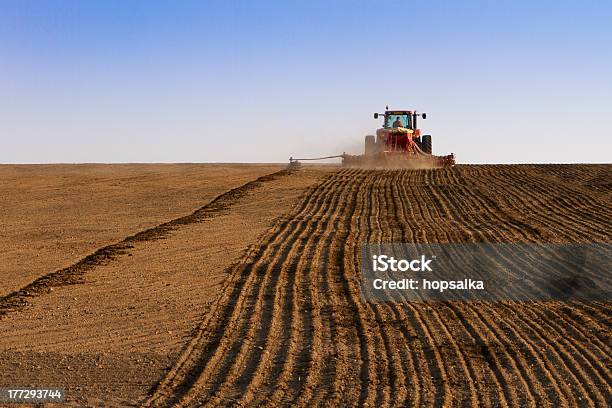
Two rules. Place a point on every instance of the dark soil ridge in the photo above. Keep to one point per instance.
(74, 273)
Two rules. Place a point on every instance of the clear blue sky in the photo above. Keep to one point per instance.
(179, 81)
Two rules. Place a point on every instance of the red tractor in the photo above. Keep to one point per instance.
(399, 143)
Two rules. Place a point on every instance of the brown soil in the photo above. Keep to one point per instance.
(289, 326)
(292, 328)
(53, 215)
(109, 338)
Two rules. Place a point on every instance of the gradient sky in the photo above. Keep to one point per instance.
(256, 81)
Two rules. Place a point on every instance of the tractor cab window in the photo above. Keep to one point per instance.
(399, 121)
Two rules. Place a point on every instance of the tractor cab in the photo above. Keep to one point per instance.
(400, 133)
(400, 118)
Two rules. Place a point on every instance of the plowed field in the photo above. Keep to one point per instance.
(288, 326)
(292, 329)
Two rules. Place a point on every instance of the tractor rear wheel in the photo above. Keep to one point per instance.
(370, 145)
(417, 140)
(426, 144)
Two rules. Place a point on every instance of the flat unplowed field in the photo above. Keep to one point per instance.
(288, 325)
(53, 215)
